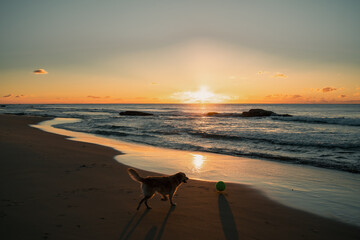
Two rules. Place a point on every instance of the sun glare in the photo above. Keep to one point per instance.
(203, 95)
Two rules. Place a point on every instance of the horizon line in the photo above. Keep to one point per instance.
(344, 103)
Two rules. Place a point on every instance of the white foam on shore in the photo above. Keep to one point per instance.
(329, 193)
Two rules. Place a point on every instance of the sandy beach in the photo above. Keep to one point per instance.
(53, 188)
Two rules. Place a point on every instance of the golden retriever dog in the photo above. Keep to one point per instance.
(165, 185)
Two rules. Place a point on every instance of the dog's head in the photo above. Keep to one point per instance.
(181, 177)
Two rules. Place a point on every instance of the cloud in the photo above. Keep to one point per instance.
(327, 89)
(9, 95)
(40, 71)
(280, 75)
(283, 96)
(97, 97)
(342, 96)
(93, 97)
(272, 74)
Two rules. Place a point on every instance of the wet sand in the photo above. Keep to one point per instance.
(53, 188)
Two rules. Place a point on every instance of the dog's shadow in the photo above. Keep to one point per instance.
(123, 235)
(127, 231)
(162, 228)
(227, 219)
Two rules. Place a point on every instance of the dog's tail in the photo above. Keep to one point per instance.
(134, 175)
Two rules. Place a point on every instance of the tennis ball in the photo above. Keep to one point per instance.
(220, 186)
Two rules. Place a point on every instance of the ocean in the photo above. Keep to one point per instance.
(324, 136)
(309, 161)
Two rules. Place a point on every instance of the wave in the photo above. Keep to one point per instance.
(118, 134)
(110, 133)
(115, 127)
(313, 120)
(273, 141)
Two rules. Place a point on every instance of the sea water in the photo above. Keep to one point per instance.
(310, 160)
(326, 136)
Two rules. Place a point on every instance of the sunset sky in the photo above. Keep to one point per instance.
(88, 51)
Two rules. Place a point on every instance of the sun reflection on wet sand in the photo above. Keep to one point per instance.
(198, 161)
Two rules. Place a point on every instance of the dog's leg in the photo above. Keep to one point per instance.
(164, 197)
(146, 198)
(171, 197)
(147, 203)
(142, 200)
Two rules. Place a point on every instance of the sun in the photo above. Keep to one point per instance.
(203, 95)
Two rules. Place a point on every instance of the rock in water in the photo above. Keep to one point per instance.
(257, 113)
(135, 113)
(212, 114)
(262, 113)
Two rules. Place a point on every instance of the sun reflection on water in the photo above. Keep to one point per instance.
(198, 161)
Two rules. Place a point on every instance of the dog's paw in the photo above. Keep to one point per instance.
(173, 204)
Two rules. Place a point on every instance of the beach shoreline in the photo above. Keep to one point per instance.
(59, 189)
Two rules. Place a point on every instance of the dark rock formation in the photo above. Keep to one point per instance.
(135, 113)
(262, 113)
(257, 113)
(250, 113)
(212, 114)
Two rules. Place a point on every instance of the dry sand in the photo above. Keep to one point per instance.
(53, 188)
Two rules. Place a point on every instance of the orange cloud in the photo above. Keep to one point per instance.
(9, 95)
(93, 96)
(283, 96)
(342, 96)
(280, 75)
(40, 71)
(328, 89)
(97, 97)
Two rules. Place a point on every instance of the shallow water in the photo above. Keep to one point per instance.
(330, 193)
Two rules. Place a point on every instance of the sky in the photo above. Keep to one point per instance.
(199, 51)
